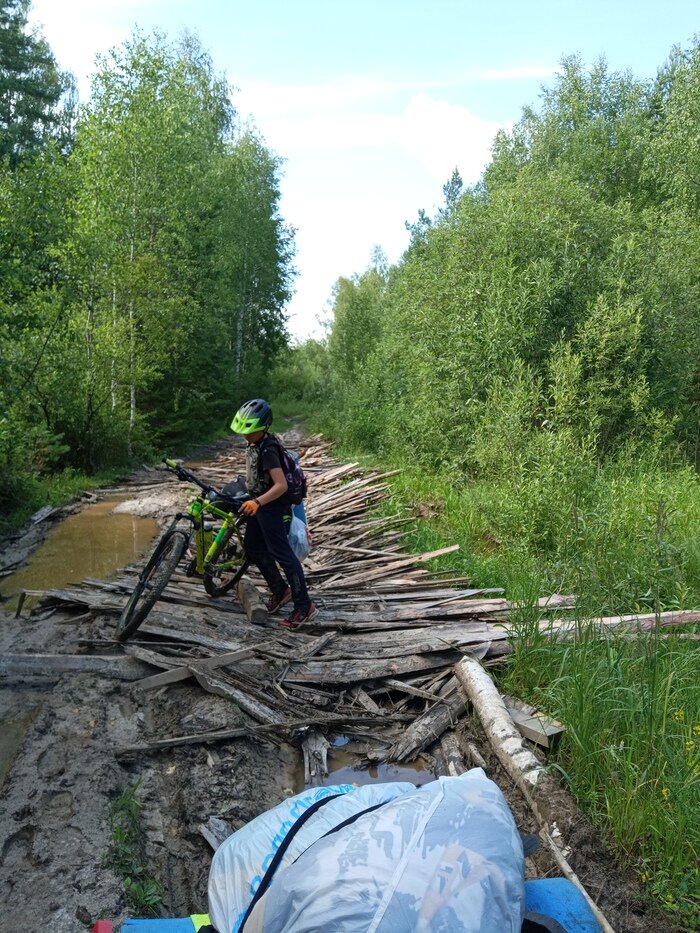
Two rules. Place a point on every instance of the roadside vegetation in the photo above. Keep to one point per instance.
(127, 857)
(532, 365)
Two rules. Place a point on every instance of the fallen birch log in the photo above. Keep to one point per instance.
(519, 763)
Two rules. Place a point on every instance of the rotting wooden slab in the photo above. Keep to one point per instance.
(177, 674)
(534, 725)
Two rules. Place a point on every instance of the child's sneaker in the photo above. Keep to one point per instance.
(300, 617)
(277, 600)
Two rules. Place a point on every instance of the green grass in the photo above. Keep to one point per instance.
(631, 750)
(624, 538)
(127, 857)
(51, 489)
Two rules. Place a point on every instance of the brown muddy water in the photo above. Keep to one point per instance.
(344, 767)
(94, 542)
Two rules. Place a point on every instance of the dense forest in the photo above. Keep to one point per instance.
(144, 265)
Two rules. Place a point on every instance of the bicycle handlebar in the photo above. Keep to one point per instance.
(184, 474)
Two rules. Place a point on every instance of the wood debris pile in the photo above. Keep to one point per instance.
(378, 660)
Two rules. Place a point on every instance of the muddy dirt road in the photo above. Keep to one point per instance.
(65, 740)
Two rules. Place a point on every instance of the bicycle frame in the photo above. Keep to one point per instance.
(207, 545)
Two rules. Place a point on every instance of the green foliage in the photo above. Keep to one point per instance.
(143, 273)
(593, 125)
(126, 854)
(357, 319)
(631, 749)
(31, 85)
(301, 376)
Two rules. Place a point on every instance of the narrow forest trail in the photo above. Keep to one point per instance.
(90, 717)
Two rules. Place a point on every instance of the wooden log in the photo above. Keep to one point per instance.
(452, 754)
(215, 831)
(252, 602)
(533, 781)
(412, 691)
(250, 705)
(429, 727)
(287, 727)
(52, 665)
(473, 754)
(647, 622)
(498, 725)
(20, 603)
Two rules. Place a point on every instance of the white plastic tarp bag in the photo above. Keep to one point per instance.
(446, 858)
(299, 537)
(241, 861)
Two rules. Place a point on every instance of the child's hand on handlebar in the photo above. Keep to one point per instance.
(250, 507)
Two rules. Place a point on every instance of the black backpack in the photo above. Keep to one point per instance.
(293, 473)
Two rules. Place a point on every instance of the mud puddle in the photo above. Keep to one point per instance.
(94, 542)
(347, 766)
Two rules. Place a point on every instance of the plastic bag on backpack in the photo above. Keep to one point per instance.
(241, 863)
(446, 858)
(299, 538)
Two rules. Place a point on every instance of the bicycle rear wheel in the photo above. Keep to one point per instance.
(152, 582)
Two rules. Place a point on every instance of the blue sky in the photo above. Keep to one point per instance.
(373, 104)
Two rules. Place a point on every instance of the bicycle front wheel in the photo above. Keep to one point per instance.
(160, 567)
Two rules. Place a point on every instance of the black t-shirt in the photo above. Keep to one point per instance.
(260, 458)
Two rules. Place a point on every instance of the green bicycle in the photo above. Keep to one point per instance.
(219, 558)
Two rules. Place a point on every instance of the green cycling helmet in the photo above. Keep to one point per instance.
(252, 416)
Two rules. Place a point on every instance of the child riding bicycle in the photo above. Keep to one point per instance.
(269, 514)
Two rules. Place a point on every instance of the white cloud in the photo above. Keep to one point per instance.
(77, 30)
(445, 135)
(436, 132)
(309, 98)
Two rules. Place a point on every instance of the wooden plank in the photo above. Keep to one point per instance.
(412, 691)
(288, 726)
(183, 673)
(365, 700)
(533, 724)
(247, 703)
(321, 672)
